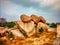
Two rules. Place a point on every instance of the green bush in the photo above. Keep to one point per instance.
(47, 23)
(41, 30)
(10, 24)
(53, 25)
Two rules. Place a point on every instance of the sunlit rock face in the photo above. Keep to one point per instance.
(2, 22)
(58, 30)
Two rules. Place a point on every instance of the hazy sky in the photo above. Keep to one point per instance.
(12, 9)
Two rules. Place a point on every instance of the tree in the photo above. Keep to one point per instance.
(3, 22)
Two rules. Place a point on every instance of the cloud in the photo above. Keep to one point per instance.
(46, 3)
(9, 8)
(12, 9)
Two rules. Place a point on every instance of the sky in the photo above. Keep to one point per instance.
(12, 9)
